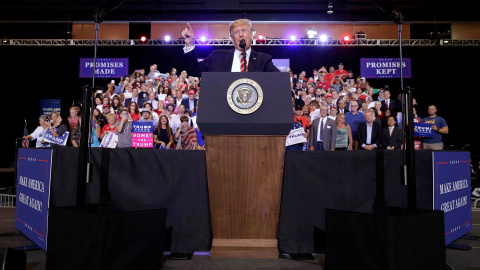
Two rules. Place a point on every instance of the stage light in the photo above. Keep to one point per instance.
(311, 33)
(346, 38)
(5, 41)
(203, 38)
(167, 38)
(330, 6)
(293, 38)
(323, 38)
(261, 37)
(143, 38)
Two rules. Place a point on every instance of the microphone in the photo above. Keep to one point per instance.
(242, 43)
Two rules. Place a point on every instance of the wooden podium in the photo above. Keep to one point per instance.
(245, 157)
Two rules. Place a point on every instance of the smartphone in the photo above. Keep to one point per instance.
(113, 81)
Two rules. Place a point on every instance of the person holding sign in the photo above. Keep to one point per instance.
(59, 126)
(241, 33)
(439, 126)
(185, 137)
(110, 127)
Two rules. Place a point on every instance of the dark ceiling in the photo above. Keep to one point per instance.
(260, 10)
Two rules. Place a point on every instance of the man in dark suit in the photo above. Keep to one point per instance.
(369, 133)
(190, 102)
(392, 136)
(323, 133)
(227, 60)
(134, 98)
(388, 103)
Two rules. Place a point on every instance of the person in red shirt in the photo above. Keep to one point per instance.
(299, 118)
(340, 71)
(322, 84)
(110, 127)
(329, 77)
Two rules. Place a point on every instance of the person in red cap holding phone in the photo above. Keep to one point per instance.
(190, 102)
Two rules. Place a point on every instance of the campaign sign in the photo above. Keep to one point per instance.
(378, 68)
(296, 136)
(142, 134)
(33, 193)
(60, 140)
(110, 140)
(451, 193)
(423, 130)
(47, 106)
(281, 64)
(106, 67)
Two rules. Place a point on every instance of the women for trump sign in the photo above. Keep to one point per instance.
(142, 134)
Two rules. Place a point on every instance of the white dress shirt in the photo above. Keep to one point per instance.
(236, 57)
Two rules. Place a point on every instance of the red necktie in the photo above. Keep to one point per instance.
(242, 64)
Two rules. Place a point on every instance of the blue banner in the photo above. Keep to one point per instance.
(423, 130)
(451, 192)
(281, 64)
(379, 68)
(60, 140)
(47, 106)
(33, 193)
(106, 67)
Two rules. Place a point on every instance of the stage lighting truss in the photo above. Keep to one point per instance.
(228, 42)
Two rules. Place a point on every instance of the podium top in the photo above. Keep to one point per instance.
(245, 103)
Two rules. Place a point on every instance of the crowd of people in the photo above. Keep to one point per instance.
(337, 110)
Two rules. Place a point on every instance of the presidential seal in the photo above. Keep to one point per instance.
(244, 96)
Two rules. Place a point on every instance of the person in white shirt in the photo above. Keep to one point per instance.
(39, 132)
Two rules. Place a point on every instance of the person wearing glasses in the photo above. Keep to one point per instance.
(227, 60)
(353, 118)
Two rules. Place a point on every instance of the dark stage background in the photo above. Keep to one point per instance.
(443, 76)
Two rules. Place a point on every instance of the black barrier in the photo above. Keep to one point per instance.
(145, 179)
(342, 180)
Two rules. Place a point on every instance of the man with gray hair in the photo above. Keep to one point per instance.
(323, 134)
(369, 134)
(241, 31)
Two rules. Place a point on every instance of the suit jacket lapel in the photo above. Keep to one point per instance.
(228, 62)
(251, 61)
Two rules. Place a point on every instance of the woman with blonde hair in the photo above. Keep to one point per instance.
(344, 134)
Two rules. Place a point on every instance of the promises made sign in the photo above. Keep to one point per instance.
(106, 67)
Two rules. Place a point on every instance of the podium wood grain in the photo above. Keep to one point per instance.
(244, 183)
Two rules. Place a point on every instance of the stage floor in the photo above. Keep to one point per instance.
(458, 260)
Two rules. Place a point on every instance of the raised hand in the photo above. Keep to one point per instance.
(188, 35)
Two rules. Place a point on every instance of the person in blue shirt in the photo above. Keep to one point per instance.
(354, 118)
(439, 126)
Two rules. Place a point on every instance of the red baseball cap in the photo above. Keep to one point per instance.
(191, 92)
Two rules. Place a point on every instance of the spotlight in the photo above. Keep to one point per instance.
(5, 41)
(323, 38)
(293, 38)
(143, 39)
(261, 37)
(330, 5)
(311, 33)
(203, 38)
(329, 12)
(346, 38)
(167, 38)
